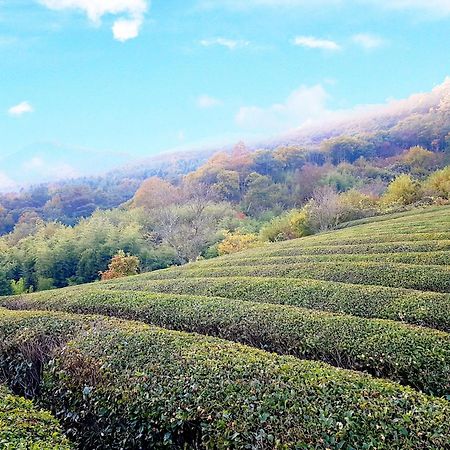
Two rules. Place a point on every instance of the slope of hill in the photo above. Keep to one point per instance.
(373, 297)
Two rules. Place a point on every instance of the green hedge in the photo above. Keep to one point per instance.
(131, 386)
(420, 308)
(416, 356)
(414, 215)
(24, 427)
(420, 277)
(427, 258)
(327, 249)
(387, 236)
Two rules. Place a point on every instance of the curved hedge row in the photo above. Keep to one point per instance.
(420, 277)
(410, 355)
(359, 237)
(427, 258)
(24, 427)
(421, 308)
(130, 386)
(324, 249)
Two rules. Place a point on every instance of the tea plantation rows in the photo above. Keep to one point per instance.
(346, 337)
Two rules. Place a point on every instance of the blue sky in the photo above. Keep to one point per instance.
(139, 77)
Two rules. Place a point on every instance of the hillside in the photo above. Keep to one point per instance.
(370, 299)
(346, 149)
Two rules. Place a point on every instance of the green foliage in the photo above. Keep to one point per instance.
(425, 278)
(410, 355)
(421, 308)
(439, 183)
(237, 242)
(127, 385)
(5, 284)
(18, 287)
(291, 225)
(404, 250)
(347, 148)
(24, 427)
(402, 191)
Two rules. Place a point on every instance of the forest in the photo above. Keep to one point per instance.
(236, 200)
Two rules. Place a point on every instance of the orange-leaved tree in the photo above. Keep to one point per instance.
(121, 265)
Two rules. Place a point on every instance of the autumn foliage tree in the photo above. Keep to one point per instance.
(155, 193)
(121, 265)
(236, 242)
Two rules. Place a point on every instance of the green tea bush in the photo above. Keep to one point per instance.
(416, 356)
(427, 258)
(25, 427)
(422, 308)
(420, 277)
(326, 249)
(125, 385)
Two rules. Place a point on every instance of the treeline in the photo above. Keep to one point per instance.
(69, 201)
(344, 156)
(233, 202)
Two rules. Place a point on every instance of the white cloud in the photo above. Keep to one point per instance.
(206, 102)
(126, 27)
(301, 106)
(20, 109)
(312, 42)
(368, 41)
(231, 44)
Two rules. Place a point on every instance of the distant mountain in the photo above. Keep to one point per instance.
(422, 119)
(397, 116)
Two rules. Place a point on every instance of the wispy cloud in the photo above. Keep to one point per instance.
(20, 109)
(230, 44)
(302, 105)
(368, 41)
(313, 42)
(206, 102)
(126, 27)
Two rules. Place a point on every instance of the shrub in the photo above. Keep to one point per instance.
(291, 225)
(236, 242)
(438, 183)
(420, 277)
(416, 356)
(428, 258)
(127, 385)
(121, 265)
(402, 191)
(421, 308)
(23, 426)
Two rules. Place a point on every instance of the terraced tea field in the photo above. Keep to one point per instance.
(346, 339)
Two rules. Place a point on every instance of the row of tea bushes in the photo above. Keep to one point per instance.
(416, 356)
(131, 386)
(25, 427)
(409, 276)
(332, 238)
(421, 308)
(426, 258)
(328, 249)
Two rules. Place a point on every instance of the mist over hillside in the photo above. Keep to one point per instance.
(423, 118)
